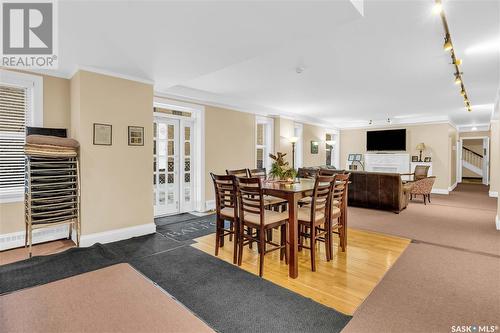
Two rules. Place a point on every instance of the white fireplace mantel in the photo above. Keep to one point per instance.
(393, 163)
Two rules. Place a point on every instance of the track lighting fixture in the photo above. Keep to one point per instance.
(388, 120)
(448, 46)
(438, 8)
(370, 122)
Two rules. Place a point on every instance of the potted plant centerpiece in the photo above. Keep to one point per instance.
(281, 170)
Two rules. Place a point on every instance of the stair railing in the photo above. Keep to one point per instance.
(472, 157)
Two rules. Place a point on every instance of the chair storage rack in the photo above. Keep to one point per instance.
(51, 195)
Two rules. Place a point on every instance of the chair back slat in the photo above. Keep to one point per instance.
(250, 197)
(238, 173)
(261, 173)
(339, 188)
(321, 196)
(225, 192)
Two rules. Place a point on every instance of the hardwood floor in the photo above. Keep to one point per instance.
(342, 284)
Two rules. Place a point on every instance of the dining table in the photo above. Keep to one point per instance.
(292, 193)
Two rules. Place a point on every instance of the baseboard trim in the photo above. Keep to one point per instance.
(493, 194)
(117, 234)
(440, 191)
(209, 205)
(497, 221)
(452, 187)
(16, 239)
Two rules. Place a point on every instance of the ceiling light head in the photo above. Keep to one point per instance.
(437, 8)
(458, 78)
(457, 62)
(469, 109)
(462, 92)
(474, 128)
(370, 122)
(388, 120)
(447, 44)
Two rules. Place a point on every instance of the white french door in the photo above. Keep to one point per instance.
(172, 166)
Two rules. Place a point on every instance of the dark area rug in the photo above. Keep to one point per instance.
(174, 218)
(138, 247)
(188, 229)
(232, 300)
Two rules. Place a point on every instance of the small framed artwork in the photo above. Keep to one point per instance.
(314, 147)
(135, 136)
(427, 159)
(103, 134)
(351, 157)
(414, 158)
(358, 157)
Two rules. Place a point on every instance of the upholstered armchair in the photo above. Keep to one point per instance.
(422, 187)
(421, 171)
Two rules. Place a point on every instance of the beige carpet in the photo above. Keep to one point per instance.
(112, 299)
(464, 219)
(451, 276)
(429, 289)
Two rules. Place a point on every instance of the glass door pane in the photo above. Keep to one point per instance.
(187, 170)
(165, 166)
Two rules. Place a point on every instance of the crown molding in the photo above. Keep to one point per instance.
(381, 124)
(210, 99)
(479, 127)
(112, 74)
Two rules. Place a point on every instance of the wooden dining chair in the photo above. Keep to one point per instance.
(253, 215)
(269, 201)
(337, 219)
(238, 172)
(313, 218)
(226, 210)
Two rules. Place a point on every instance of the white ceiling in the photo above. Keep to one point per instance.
(387, 63)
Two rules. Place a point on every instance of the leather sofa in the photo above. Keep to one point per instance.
(377, 190)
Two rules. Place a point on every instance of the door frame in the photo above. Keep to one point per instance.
(486, 157)
(198, 121)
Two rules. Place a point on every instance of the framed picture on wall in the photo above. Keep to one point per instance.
(351, 157)
(314, 147)
(103, 134)
(358, 157)
(135, 136)
(414, 158)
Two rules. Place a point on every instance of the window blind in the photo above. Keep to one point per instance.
(14, 104)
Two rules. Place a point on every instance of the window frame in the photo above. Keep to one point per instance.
(34, 116)
(298, 131)
(268, 145)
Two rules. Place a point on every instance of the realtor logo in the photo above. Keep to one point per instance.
(28, 34)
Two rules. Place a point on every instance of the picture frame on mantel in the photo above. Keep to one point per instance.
(314, 147)
(103, 134)
(414, 158)
(427, 159)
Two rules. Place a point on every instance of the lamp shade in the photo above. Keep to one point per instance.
(293, 139)
(421, 146)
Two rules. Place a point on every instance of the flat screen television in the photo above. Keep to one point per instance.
(387, 140)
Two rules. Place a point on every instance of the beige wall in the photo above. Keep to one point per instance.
(495, 157)
(438, 138)
(283, 130)
(229, 143)
(474, 134)
(115, 180)
(314, 133)
(56, 113)
(476, 145)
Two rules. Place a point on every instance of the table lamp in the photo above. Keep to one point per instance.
(421, 148)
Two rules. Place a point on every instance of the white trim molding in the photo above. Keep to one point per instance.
(493, 194)
(497, 222)
(209, 205)
(117, 234)
(16, 239)
(452, 187)
(440, 191)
